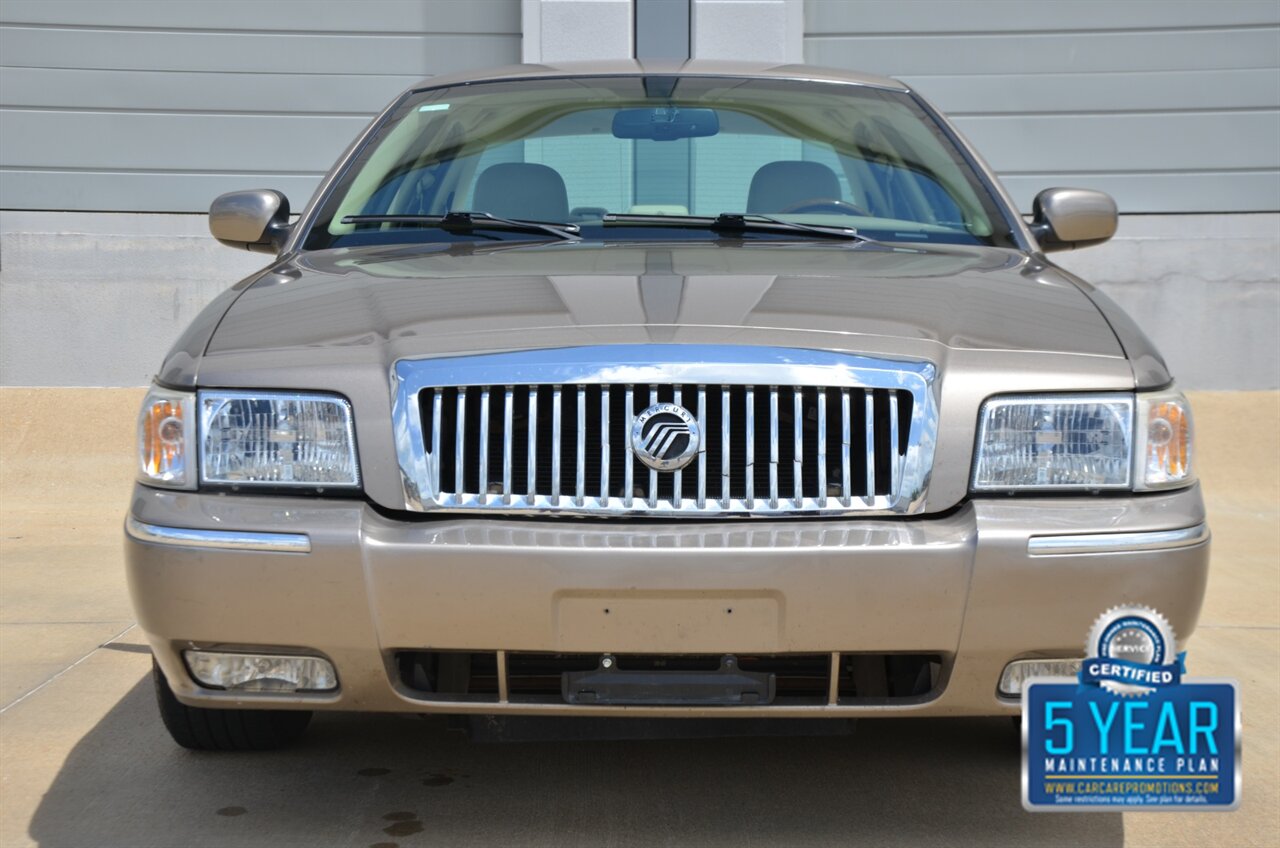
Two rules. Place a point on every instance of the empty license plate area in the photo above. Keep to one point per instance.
(670, 621)
(612, 682)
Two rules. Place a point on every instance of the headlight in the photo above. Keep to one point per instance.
(1163, 441)
(1111, 441)
(277, 439)
(1064, 442)
(164, 449)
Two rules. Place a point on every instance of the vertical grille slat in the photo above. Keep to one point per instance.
(508, 424)
(483, 487)
(846, 449)
(437, 407)
(533, 443)
(894, 468)
(822, 446)
(726, 439)
(580, 464)
(797, 417)
(629, 494)
(604, 443)
(568, 446)
(653, 474)
(870, 444)
(461, 445)
(773, 447)
(702, 448)
(555, 442)
(677, 478)
(750, 439)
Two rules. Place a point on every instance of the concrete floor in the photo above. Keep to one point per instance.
(84, 760)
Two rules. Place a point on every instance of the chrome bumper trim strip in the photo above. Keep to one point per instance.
(233, 540)
(1104, 543)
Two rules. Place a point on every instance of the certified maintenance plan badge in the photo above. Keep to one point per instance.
(1132, 732)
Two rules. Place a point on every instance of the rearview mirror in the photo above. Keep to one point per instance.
(665, 123)
(256, 220)
(1067, 218)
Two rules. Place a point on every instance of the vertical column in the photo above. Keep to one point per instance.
(662, 32)
(662, 29)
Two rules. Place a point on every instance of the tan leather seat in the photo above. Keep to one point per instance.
(522, 190)
(782, 184)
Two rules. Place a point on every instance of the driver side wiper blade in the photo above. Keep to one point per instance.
(734, 222)
(464, 221)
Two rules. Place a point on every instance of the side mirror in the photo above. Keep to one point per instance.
(256, 220)
(1068, 218)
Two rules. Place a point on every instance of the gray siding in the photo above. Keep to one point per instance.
(158, 106)
(1171, 106)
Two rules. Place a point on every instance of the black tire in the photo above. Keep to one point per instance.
(226, 730)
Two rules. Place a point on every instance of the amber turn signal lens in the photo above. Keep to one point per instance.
(162, 438)
(1167, 436)
(1165, 441)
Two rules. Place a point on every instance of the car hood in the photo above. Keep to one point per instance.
(988, 320)
(450, 299)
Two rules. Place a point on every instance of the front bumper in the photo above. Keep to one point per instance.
(977, 587)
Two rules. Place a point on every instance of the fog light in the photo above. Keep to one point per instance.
(262, 672)
(1019, 671)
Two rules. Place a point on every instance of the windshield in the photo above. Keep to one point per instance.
(657, 158)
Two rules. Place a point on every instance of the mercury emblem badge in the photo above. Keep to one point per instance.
(665, 437)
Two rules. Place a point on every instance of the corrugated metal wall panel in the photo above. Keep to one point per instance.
(971, 53)
(337, 16)
(420, 54)
(177, 91)
(1171, 106)
(1100, 93)
(220, 141)
(150, 106)
(1011, 16)
(1167, 141)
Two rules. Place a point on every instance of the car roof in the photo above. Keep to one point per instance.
(664, 67)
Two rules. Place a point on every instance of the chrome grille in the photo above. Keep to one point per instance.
(489, 440)
(844, 434)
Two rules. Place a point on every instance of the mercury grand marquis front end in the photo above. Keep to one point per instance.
(631, 390)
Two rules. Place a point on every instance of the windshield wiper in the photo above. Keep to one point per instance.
(736, 222)
(733, 221)
(464, 221)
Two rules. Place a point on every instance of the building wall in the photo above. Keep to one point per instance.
(149, 106)
(120, 121)
(1169, 106)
